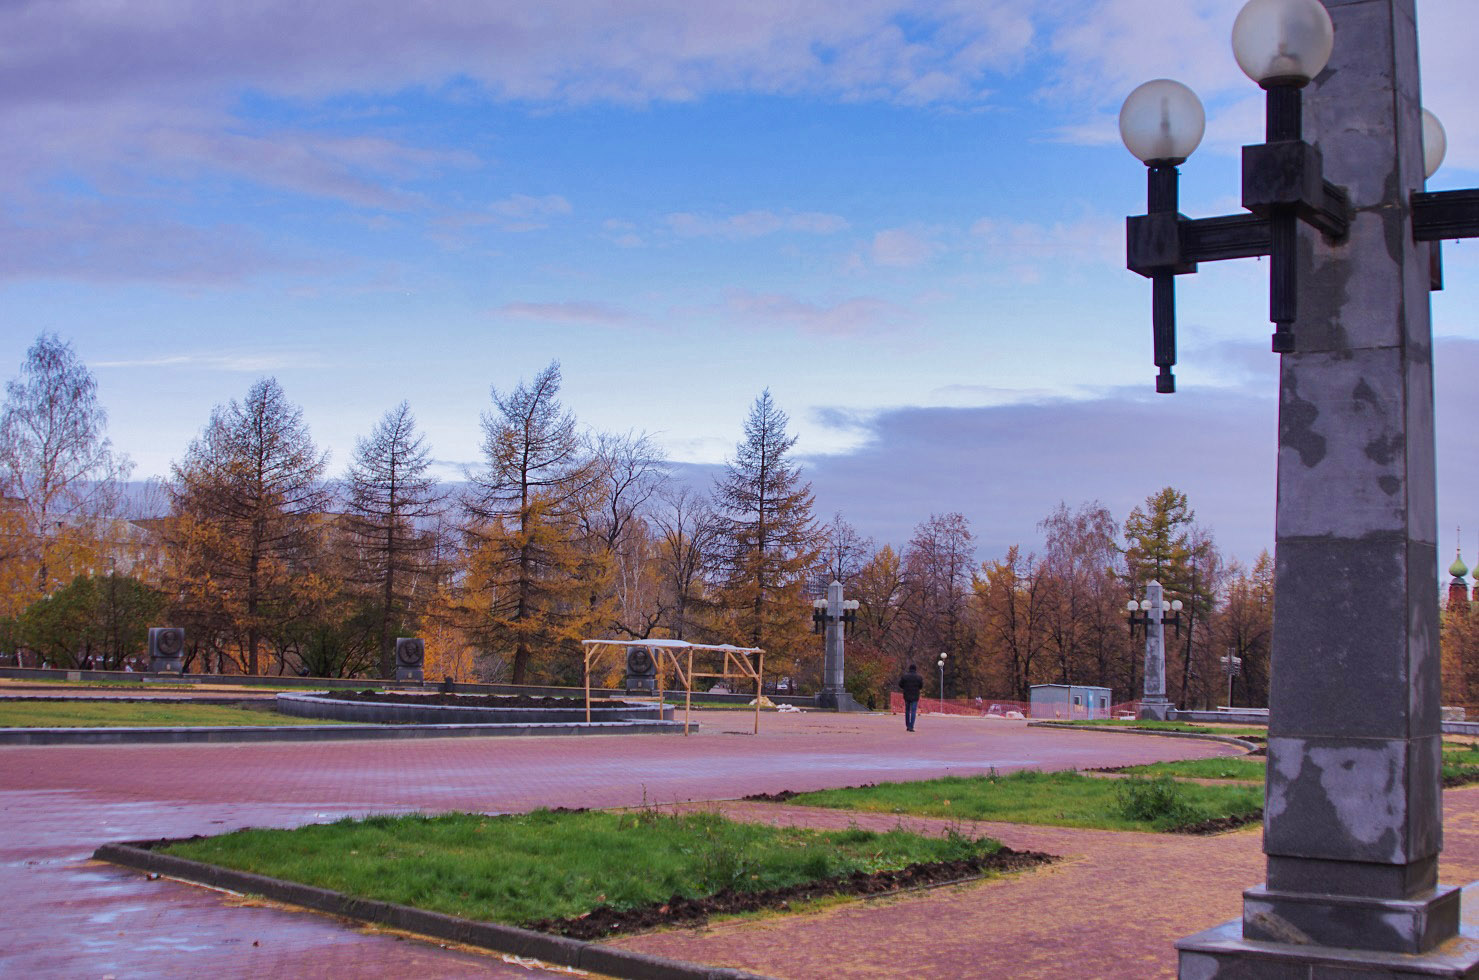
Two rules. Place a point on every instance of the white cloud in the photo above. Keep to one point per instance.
(860, 314)
(753, 224)
(567, 312)
(903, 248)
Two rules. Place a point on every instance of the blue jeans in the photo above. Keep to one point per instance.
(911, 711)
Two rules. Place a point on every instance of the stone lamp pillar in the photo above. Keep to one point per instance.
(1353, 816)
(1150, 614)
(831, 614)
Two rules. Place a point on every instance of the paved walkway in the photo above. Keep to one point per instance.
(1112, 908)
(76, 918)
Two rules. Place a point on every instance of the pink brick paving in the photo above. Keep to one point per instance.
(78, 918)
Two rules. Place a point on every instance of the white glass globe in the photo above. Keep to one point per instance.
(1162, 121)
(1435, 144)
(1176, 606)
(1276, 40)
(1132, 606)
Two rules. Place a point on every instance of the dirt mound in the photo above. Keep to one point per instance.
(468, 700)
(1218, 825)
(604, 921)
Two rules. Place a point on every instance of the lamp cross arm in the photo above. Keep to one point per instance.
(1161, 241)
(1437, 215)
(1288, 175)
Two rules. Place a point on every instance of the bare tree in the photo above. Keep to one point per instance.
(687, 535)
(844, 550)
(388, 492)
(55, 460)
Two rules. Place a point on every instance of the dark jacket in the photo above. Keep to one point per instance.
(911, 684)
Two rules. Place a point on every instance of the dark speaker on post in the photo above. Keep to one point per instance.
(166, 648)
(641, 671)
(410, 656)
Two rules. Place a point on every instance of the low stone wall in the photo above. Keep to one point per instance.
(1252, 716)
(377, 713)
(351, 683)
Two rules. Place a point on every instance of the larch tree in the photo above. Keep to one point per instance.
(524, 525)
(60, 478)
(248, 503)
(1163, 543)
(768, 539)
(389, 498)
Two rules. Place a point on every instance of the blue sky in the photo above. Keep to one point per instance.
(903, 218)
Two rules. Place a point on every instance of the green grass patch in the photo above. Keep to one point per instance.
(1061, 799)
(1234, 767)
(560, 864)
(1459, 765)
(137, 714)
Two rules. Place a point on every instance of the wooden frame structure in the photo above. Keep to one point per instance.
(679, 654)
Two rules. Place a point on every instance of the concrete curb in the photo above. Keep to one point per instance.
(322, 733)
(1063, 726)
(556, 950)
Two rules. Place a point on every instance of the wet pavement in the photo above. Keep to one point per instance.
(71, 917)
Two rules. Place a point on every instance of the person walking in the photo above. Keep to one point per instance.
(911, 684)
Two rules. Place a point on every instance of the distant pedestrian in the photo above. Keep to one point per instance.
(911, 684)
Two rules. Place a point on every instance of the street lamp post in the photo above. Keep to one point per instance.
(1151, 615)
(1231, 666)
(830, 616)
(1336, 198)
(941, 664)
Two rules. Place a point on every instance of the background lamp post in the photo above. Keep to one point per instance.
(1231, 666)
(1151, 615)
(941, 664)
(1335, 196)
(829, 616)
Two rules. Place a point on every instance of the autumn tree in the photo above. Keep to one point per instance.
(247, 505)
(1013, 604)
(389, 498)
(877, 645)
(60, 478)
(1244, 626)
(768, 539)
(1164, 544)
(938, 563)
(1083, 599)
(523, 524)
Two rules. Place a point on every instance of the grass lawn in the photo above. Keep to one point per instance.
(1060, 799)
(560, 864)
(1234, 767)
(136, 714)
(1459, 762)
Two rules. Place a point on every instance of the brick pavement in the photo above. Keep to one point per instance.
(84, 919)
(1111, 909)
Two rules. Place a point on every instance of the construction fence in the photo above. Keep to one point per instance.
(991, 707)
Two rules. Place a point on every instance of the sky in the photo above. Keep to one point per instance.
(903, 218)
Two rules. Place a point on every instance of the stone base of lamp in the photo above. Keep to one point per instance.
(1156, 710)
(1229, 951)
(834, 700)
